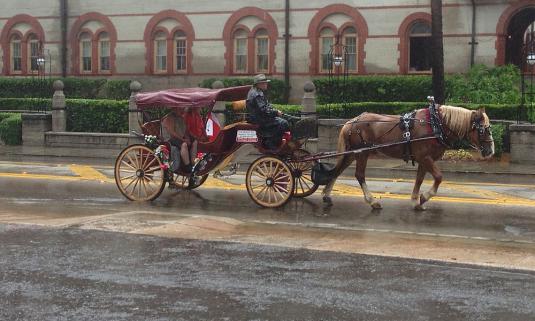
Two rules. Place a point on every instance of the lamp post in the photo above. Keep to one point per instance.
(41, 70)
(338, 72)
(526, 73)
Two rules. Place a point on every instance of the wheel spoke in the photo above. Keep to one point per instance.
(257, 186)
(132, 162)
(128, 164)
(152, 170)
(128, 185)
(127, 177)
(284, 178)
(261, 175)
(282, 189)
(279, 192)
(262, 190)
(150, 163)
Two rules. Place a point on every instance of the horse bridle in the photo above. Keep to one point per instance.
(482, 132)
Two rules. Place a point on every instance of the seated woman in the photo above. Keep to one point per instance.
(175, 132)
(182, 128)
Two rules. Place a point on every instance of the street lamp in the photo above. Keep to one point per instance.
(338, 72)
(338, 60)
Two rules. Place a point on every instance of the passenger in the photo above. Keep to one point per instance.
(260, 111)
(177, 133)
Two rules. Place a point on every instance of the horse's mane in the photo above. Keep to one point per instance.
(458, 119)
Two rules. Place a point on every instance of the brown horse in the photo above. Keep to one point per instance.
(370, 129)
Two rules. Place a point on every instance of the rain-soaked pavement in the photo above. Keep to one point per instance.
(212, 254)
(72, 274)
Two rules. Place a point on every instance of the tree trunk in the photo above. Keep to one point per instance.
(437, 51)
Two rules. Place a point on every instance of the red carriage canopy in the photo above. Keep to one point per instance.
(190, 97)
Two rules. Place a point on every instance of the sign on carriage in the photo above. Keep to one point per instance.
(246, 136)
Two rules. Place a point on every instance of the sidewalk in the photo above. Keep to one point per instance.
(476, 171)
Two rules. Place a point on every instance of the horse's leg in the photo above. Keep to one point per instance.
(360, 175)
(345, 162)
(416, 190)
(432, 168)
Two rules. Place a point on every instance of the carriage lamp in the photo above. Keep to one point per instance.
(531, 59)
(338, 61)
(40, 61)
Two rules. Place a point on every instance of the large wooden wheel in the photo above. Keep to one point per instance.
(182, 182)
(138, 173)
(302, 172)
(269, 182)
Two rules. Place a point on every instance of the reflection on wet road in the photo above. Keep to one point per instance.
(70, 274)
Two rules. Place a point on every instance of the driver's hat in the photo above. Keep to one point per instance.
(260, 78)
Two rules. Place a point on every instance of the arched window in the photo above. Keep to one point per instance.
(34, 50)
(160, 52)
(169, 38)
(250, 36)
(104, 52)
(16, 54)
(240, 51)
(93, 39)
(420, 47)
(326, 42)
(350, 43)
(86, 52)
(262, 51)
(181, 50)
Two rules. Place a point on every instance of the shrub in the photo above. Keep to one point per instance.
(31, 104)
(275, 93)
(104, 116)
(484, 85)
(374, 88)
(11, 128)
(74, 88)
(481, 85)
(498, 133)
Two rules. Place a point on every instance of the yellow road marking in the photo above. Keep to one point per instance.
(493, 198)
(88, 172)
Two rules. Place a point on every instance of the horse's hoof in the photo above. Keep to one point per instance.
(376, 205)
(419, 207)
(422, 199)
(327, 200)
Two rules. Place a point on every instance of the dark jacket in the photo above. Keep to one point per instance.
(260, 111)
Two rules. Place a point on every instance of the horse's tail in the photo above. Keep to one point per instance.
(341, 146)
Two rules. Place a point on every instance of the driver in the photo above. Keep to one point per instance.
(260, 111)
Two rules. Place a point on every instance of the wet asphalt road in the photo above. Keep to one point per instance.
(71, 274)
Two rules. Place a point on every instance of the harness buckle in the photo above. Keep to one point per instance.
(407, 135)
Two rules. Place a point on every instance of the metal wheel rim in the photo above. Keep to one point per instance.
(270, 182)
(138, 174)
(304, 186)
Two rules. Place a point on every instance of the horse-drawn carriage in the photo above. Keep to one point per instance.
(272, 179)
(141, 170)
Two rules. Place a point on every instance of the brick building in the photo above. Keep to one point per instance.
(177, 43)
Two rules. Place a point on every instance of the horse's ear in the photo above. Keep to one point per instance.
(481, 110)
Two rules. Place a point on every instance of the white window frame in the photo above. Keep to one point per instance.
(15, 40)
(237, 39)
(104, 38)
(158, 39)
(83, 42)
(257, 54)
(178, 55)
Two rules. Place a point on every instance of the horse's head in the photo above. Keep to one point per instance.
(480, 135)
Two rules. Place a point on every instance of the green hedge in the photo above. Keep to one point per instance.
(275, 93)
(74, 88)
(11, 128)
(373, 88)
(32, 104)
(481, 85)
(100, 116)
(346, 111)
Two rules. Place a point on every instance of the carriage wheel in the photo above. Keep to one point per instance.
(138, 173)
(302, 171)
(269, 182)
(182, 182)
